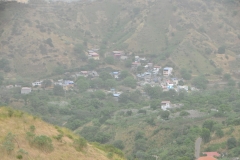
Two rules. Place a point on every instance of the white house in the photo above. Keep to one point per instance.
(165, 105)
(26, 90)
(167, 71)
(34, 84)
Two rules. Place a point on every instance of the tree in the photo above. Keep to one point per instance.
(1, 79)
(109, 60)
(184, 113)
(82, 84)
(58, 90)
(99, 94)
(205, 134)
(208, 124)
(219, 133)
(154, 104)
(128, 63)
(226, 76)
(110, 83)
(119, 144)
(200, 82)
(165, 115)
(49, 42)
(231, 82)
(46, 83)
(124, 74)
(185, 74)
(231, 142)
(105, 76)
(129, 82)
(221, 50)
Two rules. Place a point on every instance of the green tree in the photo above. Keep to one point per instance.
(231, 82)
(129, 82)
(184, 113)
(231, 142)
(219, 133)
(110, 83)
(119, 144)
(46, 83)
(43, 143)
(226, 76)
(154, 103)
(80, 143)
(221, 50)
(200, 82)
(208, 124)
(185, 74)
(83, 84)
(165, 115)
(1, 79)
(58, 90)
(128, 63)
(205, 134)
(99, 94)
(8, 143)
(109, 60)
(105, 76)
(124, 74)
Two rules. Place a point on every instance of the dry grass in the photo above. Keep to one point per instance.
(19, 123)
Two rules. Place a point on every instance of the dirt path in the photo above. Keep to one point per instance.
(197, 147)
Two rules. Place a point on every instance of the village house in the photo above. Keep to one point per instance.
(9, 86)
(167, 71)
(206, 158)
(93, 74)
(175, 81)
(37, 84)
(84, 73)
(26, 90)
(212, 154)
(122, 53)
(115, 74)
(93, 55)
(135, 65)
(165, 105)
(123, 57)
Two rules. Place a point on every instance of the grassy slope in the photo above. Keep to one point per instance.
(19, 124)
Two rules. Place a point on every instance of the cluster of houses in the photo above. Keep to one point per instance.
(149, 74)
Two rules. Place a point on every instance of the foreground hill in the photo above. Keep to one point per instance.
(27, 137)
(38, 37)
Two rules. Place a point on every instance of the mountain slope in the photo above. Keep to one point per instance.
(38, 37)
(16, 128)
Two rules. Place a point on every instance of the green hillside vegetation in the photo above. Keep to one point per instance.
(27, 137)
(38, 37)
(49, 41)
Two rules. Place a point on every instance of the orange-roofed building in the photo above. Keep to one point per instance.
(207, 158)
(212, 154)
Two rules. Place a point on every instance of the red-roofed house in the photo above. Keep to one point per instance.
(165, 105)
(93, 55)
(212, 154)
(207, 158)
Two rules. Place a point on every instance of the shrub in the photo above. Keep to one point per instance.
(184, 113)
(119, 144)
(221, 50)
(79, 144)
(231, 142)
(42, 142)
(8, 144)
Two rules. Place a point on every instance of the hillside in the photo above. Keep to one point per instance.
(17, 128)
(38, 37)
